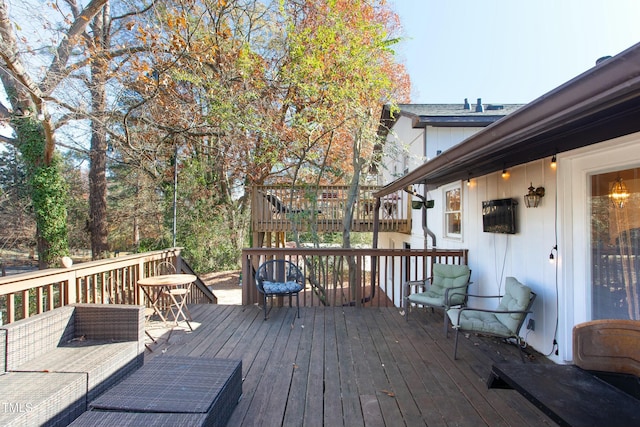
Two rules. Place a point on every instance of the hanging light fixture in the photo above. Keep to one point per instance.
(619, 193)
(505, 173)
(554, 163)
(532, 198)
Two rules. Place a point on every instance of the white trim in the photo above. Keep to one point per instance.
(574, 170)
(445, 234)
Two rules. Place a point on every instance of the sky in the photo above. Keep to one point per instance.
(507, 51)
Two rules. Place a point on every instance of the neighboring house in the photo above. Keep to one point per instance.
(588, 221)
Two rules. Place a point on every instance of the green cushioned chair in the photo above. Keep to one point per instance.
(447, 287)
(505, 321)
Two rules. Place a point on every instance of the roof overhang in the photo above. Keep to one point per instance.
(454, 121)
(598, 105)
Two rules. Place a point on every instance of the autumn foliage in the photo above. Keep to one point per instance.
(232, 93)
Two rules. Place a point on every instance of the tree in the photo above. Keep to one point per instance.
(263, 92)
(341, 69)
(227, 94)
(15, 206)
(204, 95)
(34, 129)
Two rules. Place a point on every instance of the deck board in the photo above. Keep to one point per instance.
(423, 385)
(348, 366)
(295, 408)
(350, 396)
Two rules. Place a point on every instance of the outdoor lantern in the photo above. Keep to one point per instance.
(619, 193)
(532, 199)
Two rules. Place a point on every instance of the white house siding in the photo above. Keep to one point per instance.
(492, 257)
(524, 255)
(403, 150)
(443, 138)
(563, 286)
(408, 148)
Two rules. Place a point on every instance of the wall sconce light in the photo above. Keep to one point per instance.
(532, 199)
(619, 193)
(554, 163)
(551, 257)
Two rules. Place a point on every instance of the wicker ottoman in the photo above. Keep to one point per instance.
(171, 390)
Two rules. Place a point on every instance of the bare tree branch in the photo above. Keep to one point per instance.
(104, 56)
(135, 13)
(8, 140)
(56, 71)
(9, 55)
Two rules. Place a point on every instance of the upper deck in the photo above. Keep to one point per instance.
(282, 209)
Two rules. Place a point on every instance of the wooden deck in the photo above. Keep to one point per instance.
(353, 367)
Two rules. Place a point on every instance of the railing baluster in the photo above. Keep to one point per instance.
(11, 308)
(39, 300)
(25, 304)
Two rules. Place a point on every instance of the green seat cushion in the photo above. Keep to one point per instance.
(444, 276)
(428, 298)
(516, 298)
(478, 321)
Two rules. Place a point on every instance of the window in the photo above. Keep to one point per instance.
(453, 212)
(615, 244)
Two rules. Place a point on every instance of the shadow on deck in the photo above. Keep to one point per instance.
(346, 366)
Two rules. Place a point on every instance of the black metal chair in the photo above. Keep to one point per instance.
(277, 278)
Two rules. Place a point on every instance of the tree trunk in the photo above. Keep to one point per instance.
(98, 152)
(98, 181)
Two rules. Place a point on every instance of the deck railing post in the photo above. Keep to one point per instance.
(72, 293)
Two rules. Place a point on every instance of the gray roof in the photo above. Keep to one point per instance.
(449, 115)
(457, 109)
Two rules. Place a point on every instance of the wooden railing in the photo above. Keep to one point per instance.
(108, 281)
(360, 277)
(283, 209)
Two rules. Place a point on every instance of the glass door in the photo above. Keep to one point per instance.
(614, 205)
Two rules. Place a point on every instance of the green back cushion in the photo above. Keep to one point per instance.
(516, 297)
(449, 276)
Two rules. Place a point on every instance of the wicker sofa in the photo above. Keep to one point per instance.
(53, 364)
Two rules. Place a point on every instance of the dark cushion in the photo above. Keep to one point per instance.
(281, 287)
